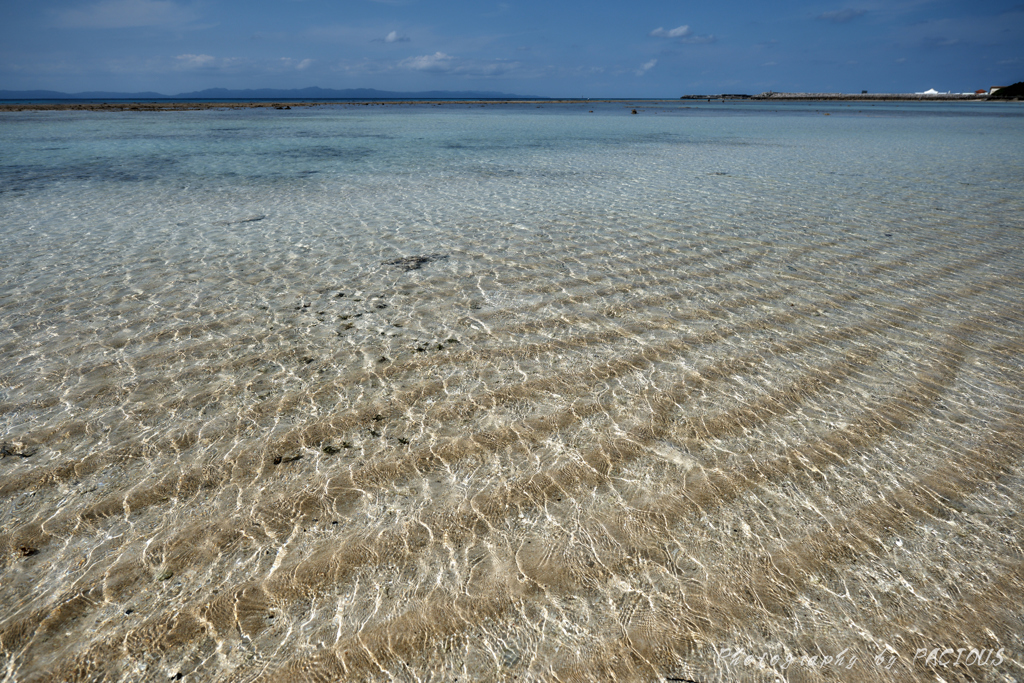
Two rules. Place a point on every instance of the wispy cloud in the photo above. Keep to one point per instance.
(941, 41)
(392, 37)
(127, 14)
(678, 32)
(841, 16)
(683, 34)
(196, 61)
(646, 67)
(211, 63)
(699, 39)
(290, 63)
(437, 62)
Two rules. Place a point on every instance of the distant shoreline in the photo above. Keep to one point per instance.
(156, 106)
(870, 97)
(287, 104)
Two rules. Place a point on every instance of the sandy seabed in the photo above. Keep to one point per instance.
(769, 451)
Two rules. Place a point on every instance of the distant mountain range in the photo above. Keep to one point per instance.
(261, 94)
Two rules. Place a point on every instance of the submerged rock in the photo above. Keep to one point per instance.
(238, 221)
(415, 262)
(16, 449)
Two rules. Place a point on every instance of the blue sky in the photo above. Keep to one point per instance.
(644, 48)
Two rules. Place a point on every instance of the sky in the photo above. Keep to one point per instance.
(599, 48)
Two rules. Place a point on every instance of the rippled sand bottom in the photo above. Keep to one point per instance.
(564, 453)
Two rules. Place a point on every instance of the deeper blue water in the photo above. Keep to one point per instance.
(537, 391)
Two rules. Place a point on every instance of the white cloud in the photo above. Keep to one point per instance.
(196, 61)
(392, 37)
(127, 14)
(288, 62)
(841, 16)
(646, 67)
(438, 61)
(681, 33)
(678, 32)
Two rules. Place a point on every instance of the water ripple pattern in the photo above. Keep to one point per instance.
(513, 392)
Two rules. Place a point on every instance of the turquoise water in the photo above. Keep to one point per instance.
(512, 392)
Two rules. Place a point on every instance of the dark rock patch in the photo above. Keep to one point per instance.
(16, 449)
(239, 221)
(415, 262)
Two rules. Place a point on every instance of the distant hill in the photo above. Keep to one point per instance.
(352, 93)
(54, 95)
(261, 94)
(1014, 91)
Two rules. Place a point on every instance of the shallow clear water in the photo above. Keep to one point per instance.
(514, 392)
